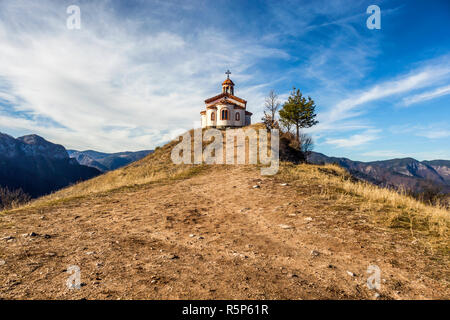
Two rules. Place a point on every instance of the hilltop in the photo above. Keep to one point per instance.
(155, 230)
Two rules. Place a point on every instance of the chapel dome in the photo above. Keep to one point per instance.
(228, 81)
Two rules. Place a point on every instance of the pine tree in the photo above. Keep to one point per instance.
(299, 111)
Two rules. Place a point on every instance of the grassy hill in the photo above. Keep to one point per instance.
(157, 230)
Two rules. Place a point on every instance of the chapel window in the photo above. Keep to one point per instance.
(224, 114)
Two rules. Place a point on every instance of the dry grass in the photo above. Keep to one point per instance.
(389, 207)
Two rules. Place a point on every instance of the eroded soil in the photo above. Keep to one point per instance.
(213, 236)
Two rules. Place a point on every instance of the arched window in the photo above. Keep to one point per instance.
(238, 116)
(224, 114)
(213, 117)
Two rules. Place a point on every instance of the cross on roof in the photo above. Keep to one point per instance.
(228, 74)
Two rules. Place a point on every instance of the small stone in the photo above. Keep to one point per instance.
(8, 238)
(315, 253)
(153, 281)
(192, 235)
(285, 226)
(283, 184)
(256, 186)
(173, 257)
(32, 234)
(292, 215)
(351, 274)
(201, 238)
(2, 262)
(90, 253)
(47, 236)
(50, 254)
(308, 219)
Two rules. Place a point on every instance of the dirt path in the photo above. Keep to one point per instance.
(212, 236)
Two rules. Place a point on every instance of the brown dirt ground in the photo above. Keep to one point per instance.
(212, 236)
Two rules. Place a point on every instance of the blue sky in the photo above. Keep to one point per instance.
(137, 72)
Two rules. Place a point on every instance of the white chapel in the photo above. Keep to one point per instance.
(225, 110)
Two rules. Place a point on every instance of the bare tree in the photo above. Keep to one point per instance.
(271, 107)
(269, 122)
(286, 125)
(306, 144)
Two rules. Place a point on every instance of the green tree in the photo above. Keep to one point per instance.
(299, 111)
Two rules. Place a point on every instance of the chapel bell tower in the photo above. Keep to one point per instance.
(228, 85)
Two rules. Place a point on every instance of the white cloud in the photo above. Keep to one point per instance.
(354, 140)
(108, 86)
(435, 134)
(384, 154)
(429, 95)
(436, 130)
(432, 73)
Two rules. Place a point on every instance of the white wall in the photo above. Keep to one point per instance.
(206, 119)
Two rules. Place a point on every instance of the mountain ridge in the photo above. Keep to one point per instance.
(38, 166)
(408, 173)
(107, 161)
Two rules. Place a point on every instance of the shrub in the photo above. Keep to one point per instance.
(12, 198)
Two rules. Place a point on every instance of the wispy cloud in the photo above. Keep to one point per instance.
(438, 130)
(413, 81)
(384, 154)
(435, 134)
(429, 95)
(354, 140)
(110, 86)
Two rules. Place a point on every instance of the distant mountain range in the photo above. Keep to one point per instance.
(107, 161)
(37, 166)
(411, 174)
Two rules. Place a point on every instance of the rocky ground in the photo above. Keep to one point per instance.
(223, 234)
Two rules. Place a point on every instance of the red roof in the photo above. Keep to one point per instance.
(225, 95)
(228, 81)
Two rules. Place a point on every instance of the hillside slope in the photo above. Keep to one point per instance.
(153, 230)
